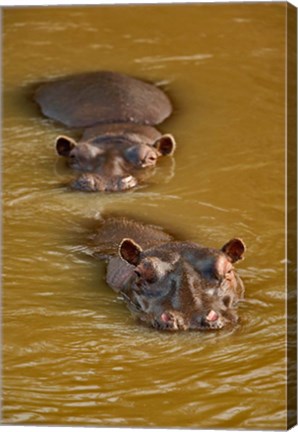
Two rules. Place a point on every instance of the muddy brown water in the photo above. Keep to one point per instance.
(72, 355)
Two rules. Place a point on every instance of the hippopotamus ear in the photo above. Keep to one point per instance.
(234, 249)
(130, 251)
(166, 145)
(64, 145)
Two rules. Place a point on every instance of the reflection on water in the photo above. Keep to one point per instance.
(72, 353)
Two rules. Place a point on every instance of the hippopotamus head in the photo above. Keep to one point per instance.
(182, 285)
(112, 163)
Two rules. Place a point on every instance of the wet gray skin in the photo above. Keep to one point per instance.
(171, 285)
(119, 147)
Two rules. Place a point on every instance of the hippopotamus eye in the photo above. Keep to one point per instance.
(152, 157)
(137, 273)
(229, 274)
(146, 276)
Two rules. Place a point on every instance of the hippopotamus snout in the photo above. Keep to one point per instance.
(175, 320)
(92, 182)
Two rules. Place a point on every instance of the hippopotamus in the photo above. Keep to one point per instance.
(169, 284)
(119, 145)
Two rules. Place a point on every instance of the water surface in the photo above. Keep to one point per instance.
(72, 355)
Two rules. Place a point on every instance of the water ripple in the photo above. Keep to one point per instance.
(179, 58)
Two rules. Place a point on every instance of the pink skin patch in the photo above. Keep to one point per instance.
(165, 317)
(212, 316)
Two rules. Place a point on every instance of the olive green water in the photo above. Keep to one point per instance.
(72, 355)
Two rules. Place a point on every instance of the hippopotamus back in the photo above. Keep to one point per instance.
(87, 99)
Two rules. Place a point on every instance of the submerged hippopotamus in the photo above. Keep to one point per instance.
(117, 112)
(169, 284)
